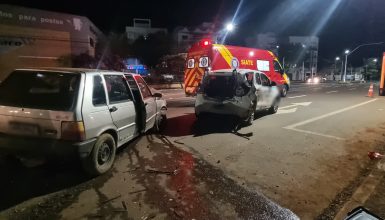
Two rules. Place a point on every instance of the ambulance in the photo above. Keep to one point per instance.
(205, 56)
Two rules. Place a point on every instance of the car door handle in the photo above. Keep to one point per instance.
(113, 109)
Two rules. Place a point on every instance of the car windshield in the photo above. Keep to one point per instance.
(40, 90)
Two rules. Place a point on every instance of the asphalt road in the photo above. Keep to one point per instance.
(309, 159)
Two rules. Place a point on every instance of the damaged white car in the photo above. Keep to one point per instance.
(239, 93)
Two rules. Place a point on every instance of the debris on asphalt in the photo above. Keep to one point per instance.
(375, 155)
(109, 200)
(218, 161)
(210, 154)
(149, 217)
(162, 172)
(137, 191)
(211, 192)
(178, 142)
(124, 205)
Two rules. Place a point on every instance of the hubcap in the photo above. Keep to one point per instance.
(104, 154)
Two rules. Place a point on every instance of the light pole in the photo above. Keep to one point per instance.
(347, 53)
(335, 66)
(346, 62)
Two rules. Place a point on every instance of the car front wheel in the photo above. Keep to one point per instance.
(102, 156)
(274, 107)
(284, 90)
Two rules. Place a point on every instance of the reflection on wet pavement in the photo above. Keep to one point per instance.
(169, 183)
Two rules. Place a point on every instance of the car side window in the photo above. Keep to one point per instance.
(258, 78)
(98, 93)
(265, 80)
(143, 88)
(117, 88)
(131, 82)
(277, 67)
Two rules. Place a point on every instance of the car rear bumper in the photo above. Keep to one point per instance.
(35, 147)
(238, 106)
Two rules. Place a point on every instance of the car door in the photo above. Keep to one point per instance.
(149, 102)
(121, 106)
(265, 90)
(259, 92)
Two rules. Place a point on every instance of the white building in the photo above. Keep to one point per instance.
(142, 27)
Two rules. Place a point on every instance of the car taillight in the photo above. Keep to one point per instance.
(72, 131)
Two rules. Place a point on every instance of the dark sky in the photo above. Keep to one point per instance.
(340, 24)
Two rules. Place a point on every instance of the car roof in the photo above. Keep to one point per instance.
(69, 70)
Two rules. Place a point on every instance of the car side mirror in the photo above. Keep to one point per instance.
(157, 95)
(273, 84)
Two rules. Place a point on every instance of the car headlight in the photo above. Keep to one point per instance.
(309, 80)
(316, 80)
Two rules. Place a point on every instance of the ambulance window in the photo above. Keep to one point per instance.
(263, 65)
(277, 67)
(258, 78)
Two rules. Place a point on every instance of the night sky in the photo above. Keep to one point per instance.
(340, 24)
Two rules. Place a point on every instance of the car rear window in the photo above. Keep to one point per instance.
(219, 86)
(40, 90)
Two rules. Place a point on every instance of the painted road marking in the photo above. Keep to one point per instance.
(293, 126)
(296, 104)
(352, 89)
(331, 92)
(299, 96)
(288, 111)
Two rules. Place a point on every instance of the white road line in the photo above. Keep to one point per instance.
(352, 89)
(299, 96)
(293, 126)
(331, 92)
(316, 133)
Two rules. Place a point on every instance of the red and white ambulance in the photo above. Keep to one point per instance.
(206, 56)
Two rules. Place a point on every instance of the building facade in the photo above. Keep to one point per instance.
(142, 27)
(38, 38)
(185, 37)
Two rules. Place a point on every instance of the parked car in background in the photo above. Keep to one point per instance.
(239, 93)
(60, 112)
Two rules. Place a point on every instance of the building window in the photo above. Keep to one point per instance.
(92, 42)
(184, 37)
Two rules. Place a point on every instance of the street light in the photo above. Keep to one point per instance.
(348, 52)
(375, 60)
(230, 27)
(335, 66)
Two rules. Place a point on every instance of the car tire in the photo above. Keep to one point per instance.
(284, 90)
(274, 107)
(160, 123)
(102, 156)
(250, 118)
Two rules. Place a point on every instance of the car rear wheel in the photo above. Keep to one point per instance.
(160, 123)
(102, 156)
(250, 118)
(274, 107)
(284, 90)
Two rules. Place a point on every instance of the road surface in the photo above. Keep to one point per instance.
(309, 161)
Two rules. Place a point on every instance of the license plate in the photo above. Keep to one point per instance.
(22, 128)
